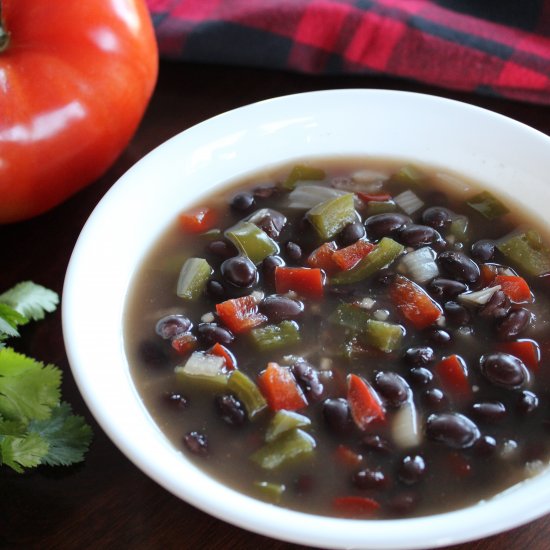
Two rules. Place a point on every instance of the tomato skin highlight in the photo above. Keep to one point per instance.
(77, 77)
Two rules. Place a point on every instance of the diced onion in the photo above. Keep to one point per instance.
(420, 264)
(371, 177)
(480, 297)
(406, 431)
(203, 364)
(307, 196)
(408, 202)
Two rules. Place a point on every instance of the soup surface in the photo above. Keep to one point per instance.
(357, 338)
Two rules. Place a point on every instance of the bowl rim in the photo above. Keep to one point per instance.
(230, 505)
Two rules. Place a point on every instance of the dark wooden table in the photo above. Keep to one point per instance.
(106, 502)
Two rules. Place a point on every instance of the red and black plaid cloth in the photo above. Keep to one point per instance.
(498, 47)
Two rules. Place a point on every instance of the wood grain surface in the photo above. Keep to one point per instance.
(106, 502)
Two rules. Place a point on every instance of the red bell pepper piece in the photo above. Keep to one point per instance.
(351, 255)
(368, 197)
(184, 343)
(280, 388)
(322, 258)
(364, 403)
(222, 351)
(454, 376)
(198, 220)
(346, 456)
(515, 287)
(240, 314)
(526, 350)
(355, 505)
(305, 281)
(488, 272)
(414, 303)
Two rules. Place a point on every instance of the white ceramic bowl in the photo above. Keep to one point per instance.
(482, 145)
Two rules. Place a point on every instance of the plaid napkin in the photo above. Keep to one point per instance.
(497, 47)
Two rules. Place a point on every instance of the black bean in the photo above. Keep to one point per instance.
(489, 411)
(419, 356)
(497, 307)
(434, 399)
(308, 378)
(280, 308)
(337, 415)
(351, 233)
(270, 221)
(437, 217)
(456, 314)
(210, 333)
(453, 429)
(459, 266)
(215, 289)
(374, 442)
(483, 251)
(527, 403)
(172, 325)
(293, 251)
(239, 271)
(231, 410)
(222, 249)
(369, 479)
(485, 446)
(438, 336)
(197, 443)
(268, 268)
(176, 400)
(392, 387)
(152, 354)
(503, 369)
(513, 324)
(383, 277)
(420, 376)
(385, 225)
(412, 469)
(418, 235)
(445, 289)
(243, 201)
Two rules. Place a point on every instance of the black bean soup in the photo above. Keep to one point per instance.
(356, 338)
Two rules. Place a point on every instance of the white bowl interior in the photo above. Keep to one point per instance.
(496, 151)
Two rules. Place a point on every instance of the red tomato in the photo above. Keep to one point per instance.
(75, 78)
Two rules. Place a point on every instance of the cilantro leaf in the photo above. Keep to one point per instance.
(10, 319)
(28, 388)
(68, 436)
(30, 300)
(23, 452)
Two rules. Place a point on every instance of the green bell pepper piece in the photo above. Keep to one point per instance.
(290, 445)
(272, 337)
(380, 207)
(527, 251)
(252, 241)
(331, 216)
(193, 278)
(301, 172)
(487, 205)
(350, 316)
(272, 492)
(383, 336)
(283, 421)
(248, 393)
(385, 252)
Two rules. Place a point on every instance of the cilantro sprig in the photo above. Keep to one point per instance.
(36, 427)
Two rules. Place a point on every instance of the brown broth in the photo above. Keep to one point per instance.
(453, 478)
